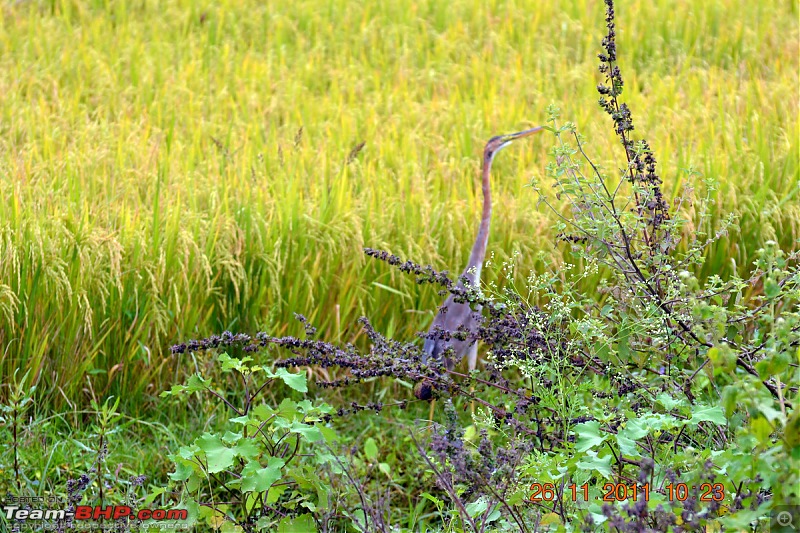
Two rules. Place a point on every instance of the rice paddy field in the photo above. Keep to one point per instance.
(172, 169)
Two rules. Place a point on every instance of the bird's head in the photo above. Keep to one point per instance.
(499, 142)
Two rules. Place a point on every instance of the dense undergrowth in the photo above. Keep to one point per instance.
(632, 382)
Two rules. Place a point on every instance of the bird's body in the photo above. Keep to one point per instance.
(453, 315)
(435, 348)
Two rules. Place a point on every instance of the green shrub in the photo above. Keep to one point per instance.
(656, 402)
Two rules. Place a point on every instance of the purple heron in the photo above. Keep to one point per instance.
(453, 315)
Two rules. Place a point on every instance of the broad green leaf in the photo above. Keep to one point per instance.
(713, 355)
(230, 527)
(477, 507)
(762, 367)
(155, 493)
(174, 391)
(668, 401)
(791, 433)
(231, 438)
(761, 428)
(229, 363)
(194, 482)
(194, 384)
(288, 408)
(328, 433)
(241, 419)
(311, 433)
(275, 493)
(730, 399)
(588, 436)
(322, 496)
(247, 449)
(627, 446)
(550, 519)
(301, 524)
(741, 520)
(188, 452)
(603, 352)
(436, 501)
(182, 472)
(634, 429)
(192, 513)
(303, 477)
(208, 514)
(256, 478)
(197, 383)
(295, 381)
(219, 456)
(251, 500)
(359, 517)
(371, 449)
(600, 464)
(704, 413)
(470, 433)
(766, 407)
(654, 421)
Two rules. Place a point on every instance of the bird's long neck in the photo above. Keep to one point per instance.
(476, 257)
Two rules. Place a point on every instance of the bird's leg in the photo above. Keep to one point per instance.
(472, 356)
(472, 362)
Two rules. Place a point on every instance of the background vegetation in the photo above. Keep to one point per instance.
(174, 169)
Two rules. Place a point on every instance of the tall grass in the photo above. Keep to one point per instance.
(157, 184)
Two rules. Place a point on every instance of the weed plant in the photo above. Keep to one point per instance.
(656, 347)
(656, 402)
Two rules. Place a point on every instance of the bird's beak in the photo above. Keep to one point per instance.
(520, 134)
